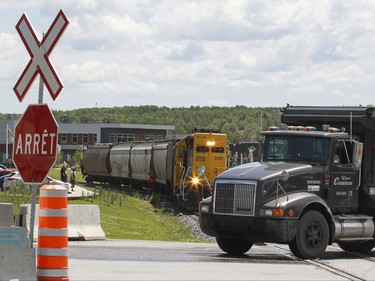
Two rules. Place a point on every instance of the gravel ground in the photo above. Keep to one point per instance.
(186, 218)
(192, 221)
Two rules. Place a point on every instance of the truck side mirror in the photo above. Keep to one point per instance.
(357, 154)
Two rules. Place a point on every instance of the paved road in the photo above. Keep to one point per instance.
(154, 260)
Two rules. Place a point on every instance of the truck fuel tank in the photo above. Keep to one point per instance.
(353, 227)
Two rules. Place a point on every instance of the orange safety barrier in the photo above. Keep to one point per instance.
(52, 259)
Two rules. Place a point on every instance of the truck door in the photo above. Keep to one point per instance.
(344, 178)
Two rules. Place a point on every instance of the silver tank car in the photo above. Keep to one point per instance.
(140, 160)
(162, 161)
(143, 161)
(131, 161)
(119, 160)
(96, 163)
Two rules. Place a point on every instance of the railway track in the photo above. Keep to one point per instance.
(168, 201)
(348, 265)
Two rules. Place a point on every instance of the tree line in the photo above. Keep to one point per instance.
(240, 123)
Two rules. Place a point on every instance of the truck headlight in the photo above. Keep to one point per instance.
(204, 205)
(268, 212)
(204, 209)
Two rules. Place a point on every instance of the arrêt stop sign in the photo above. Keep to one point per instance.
(35, 143)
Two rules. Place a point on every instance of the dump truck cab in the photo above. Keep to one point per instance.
(307, 192)
(332, 156)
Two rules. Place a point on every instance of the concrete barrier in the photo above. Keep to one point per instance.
(17, 258)
(83, 222)
(6, 214)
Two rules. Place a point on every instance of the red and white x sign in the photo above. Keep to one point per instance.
(39, 52)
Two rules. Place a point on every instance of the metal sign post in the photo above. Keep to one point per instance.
(34, 160)
(32, 212)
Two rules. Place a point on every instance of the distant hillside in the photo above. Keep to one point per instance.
(239, 122)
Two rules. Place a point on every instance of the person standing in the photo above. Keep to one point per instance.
(63, 174)
(73, 177)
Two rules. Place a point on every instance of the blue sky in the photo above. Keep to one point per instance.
(256, 53)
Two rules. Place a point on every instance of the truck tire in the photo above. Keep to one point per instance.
(360, 247)
(312, 236)
(233, 246)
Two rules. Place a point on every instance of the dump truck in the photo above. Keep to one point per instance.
(314, 185)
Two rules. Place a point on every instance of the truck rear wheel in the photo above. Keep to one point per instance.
(233, 246)
(312, 235)
(360, 247)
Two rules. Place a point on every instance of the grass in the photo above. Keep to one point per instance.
(17, 196)
(122, 216)
(133, 218)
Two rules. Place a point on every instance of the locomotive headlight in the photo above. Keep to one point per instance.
(210, 143)
(195, 180)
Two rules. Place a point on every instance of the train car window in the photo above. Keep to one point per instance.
(202, 149)
(112, 137)
(181, 151)
(217, 149)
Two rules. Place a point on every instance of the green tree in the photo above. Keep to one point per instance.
(78, 155)
(59, 156)
(238, 122)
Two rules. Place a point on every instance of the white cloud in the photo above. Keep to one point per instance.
(223, 52)
(91, 71)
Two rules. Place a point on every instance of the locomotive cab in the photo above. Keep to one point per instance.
(203, 148)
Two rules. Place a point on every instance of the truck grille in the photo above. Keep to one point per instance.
(234, 198)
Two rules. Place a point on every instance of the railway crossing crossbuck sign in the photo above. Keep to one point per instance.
(34, 148)
(39, 53)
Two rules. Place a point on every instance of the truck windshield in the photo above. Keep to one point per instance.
(297, 149)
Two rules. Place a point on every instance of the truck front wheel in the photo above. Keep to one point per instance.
(233, 246)
(312, 236)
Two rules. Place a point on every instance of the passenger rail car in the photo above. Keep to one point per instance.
(170, 166)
